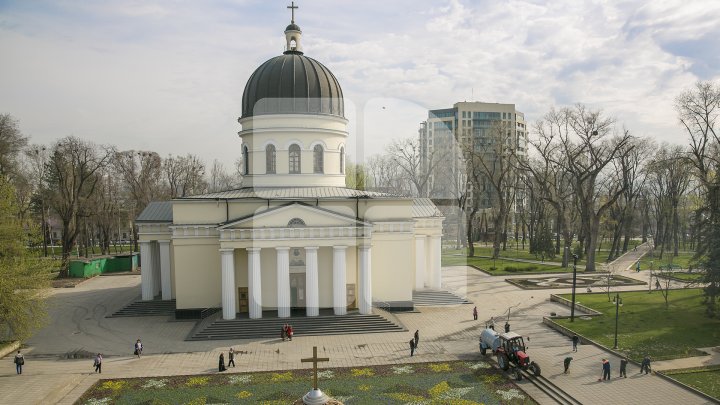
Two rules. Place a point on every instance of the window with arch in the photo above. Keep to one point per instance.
(246, 160)
(342, 159)
(318, 164)
(296, 223)
(294, 159)
(270, 159)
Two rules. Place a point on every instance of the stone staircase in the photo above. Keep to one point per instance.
(437, 298)
(269, 327)
(147, 308)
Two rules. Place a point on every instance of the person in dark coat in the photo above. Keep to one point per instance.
(623, 367)
(98, 363)
(417, 338)
(507, 327)
(231, 357)
(645, 365)
(575, 340)
(19, 362)
(475, 313)
(566, 363)
(221, 363)
(138, 348)
(412, 347)
(606, 369)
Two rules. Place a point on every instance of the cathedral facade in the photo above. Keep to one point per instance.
(294, 240)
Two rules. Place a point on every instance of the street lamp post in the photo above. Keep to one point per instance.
(618, 303)
(572, 308)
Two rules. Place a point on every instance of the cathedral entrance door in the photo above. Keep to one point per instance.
(243, 299)
(297, 290)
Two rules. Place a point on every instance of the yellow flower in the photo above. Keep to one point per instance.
(114, 385)
(405, 397)
(243, 394)
(196, 381)
(281, 377)
(198, 401)
(364, 387)
(439, 389)
(439, 368)
(491, 378)
(362, 372)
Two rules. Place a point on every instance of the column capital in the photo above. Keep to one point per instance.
(163, 241)
(339, 247)
(253, 249)
(420, 236)
(227, 250)
(311, 247)
(144, 242)
(365, 247)
(282, 248)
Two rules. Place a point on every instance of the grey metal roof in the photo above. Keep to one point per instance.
(424, 207)
(292, 84)
(156, 211)
(316, 208)
(293, 193)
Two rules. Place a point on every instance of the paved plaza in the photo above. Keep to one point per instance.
(79, 325)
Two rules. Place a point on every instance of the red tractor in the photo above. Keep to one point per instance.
(509, 349)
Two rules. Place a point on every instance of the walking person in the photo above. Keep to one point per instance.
(492, 322)
(221, 363)
(507, 327)
(412, 347)
(98, 363)
(290, 332)
(19, 362)
(475, 314)
(606, 369)
(566, 364)
(417, 338)
(283, 332)
(623, 367)
(575, 340)
(138, 348)
(231, 357)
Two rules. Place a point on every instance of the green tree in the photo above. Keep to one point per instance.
(356, 176)
(22, 278)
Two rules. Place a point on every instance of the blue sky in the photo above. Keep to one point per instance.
(168, 75)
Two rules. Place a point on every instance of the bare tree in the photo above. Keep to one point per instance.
(385, 175)
(220, 180)
(408, 156)
(72, 174)
(184, 175)
(588, 148)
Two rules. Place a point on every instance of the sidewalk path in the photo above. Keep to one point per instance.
(446, 333)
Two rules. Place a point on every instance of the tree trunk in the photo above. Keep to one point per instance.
(592, 243)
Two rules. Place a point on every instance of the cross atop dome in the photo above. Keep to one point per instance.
(293, 33)
(292, 8)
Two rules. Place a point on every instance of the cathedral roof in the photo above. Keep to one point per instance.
(292, 193)
(292, 83)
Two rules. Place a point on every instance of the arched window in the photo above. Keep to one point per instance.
(296, 223)
(318, 164)
(270, 159)
(342, 160)
(246, 160)
(294, 153)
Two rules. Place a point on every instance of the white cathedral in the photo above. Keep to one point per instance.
(294, 239)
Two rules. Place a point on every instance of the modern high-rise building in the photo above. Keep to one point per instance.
(486, 130)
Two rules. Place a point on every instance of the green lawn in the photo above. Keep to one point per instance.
(502, 267)
(682, 260)
(685, 276)
(706, 380)
(466, 383)
(646, 327)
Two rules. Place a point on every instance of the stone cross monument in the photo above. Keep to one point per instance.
(315, 397)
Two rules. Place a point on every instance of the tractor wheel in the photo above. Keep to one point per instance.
(518, 374)
(503, 362)
(534, 368)
(483, 351)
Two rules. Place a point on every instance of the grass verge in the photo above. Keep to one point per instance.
(706, 379)
(646, 326)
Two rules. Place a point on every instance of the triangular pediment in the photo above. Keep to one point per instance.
(293, 215)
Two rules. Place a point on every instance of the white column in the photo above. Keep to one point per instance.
(420, 261)
(146, 270)
(165, 280)
(227, 263)
(312, 298)
(156, 268)
(283, 281)
(255, 292)
(428, 262)
(339, 281)
(435, 247)
(365, 281)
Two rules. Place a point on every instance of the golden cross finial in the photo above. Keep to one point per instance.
(292, 8)
(314, 360)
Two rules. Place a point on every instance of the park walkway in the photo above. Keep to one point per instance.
(446, 333)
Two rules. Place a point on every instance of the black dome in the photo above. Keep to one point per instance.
(292, 84)
(293, 27)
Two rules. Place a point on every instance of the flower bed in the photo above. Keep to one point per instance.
(461, 383)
